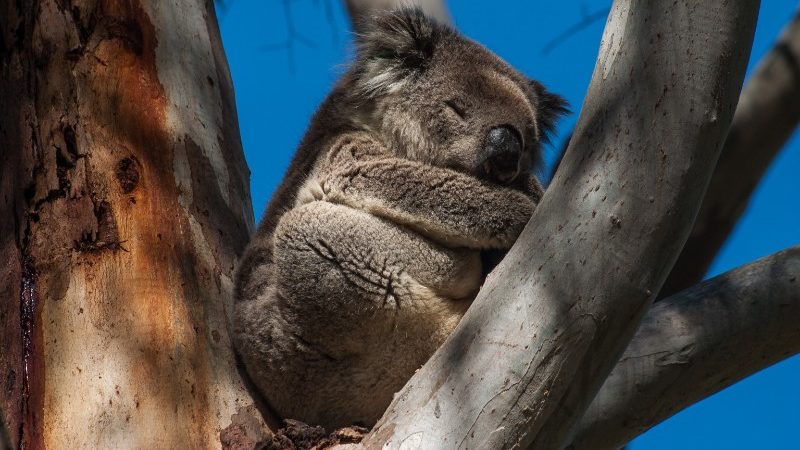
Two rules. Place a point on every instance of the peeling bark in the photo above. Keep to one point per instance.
(767, 115)
(678, 356)
(125, 203)
(550, 322)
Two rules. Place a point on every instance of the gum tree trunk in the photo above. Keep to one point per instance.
(124, 200)
(124, 203)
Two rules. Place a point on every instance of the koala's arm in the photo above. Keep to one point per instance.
(447, 206)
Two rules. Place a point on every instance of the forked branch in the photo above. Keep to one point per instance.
(551, 321)
(696, 343)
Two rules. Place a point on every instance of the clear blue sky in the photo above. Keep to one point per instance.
(276, 99)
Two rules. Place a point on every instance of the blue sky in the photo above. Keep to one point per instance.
(277, 91)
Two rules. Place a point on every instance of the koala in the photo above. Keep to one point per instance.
(418, 165)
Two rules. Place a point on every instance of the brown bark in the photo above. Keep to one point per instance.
(5, 442)
(124, 203)
(767, 115)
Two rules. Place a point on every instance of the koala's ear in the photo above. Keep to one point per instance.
(394, 45)
(405, 34)
(549, 108)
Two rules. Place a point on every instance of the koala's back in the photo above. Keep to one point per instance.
(313, 352)
(330, 120)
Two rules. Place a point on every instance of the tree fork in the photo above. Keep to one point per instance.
(550, 322)
(678, 356)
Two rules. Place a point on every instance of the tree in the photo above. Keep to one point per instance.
(125, 204)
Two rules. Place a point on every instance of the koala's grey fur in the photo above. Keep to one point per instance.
(370, 250)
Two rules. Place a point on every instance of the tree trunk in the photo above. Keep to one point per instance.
(767, 115)
(124, 204)
(551, 321)
(5, 442)
(696, 343)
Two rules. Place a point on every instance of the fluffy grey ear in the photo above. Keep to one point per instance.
(406, 34)
(393, 46)
(549, 108)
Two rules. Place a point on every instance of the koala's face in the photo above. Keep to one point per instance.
(439, 98)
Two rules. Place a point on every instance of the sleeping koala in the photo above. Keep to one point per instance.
(416, 165)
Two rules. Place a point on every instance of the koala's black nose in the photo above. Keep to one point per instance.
(502, 155)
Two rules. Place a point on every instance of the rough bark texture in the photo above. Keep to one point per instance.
(124, 203)
(550, 322)
(359, 10)
(5, 442)
(678, 356)
(767, 115)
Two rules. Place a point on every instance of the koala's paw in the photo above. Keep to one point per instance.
(512, 214)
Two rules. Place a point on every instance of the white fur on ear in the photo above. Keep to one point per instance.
(381, 77)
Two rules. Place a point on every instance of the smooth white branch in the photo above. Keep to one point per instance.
(767, 115)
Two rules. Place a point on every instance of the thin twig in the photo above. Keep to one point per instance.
(586, 22)
(292, 37)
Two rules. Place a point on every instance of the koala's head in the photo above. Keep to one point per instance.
(437, 97)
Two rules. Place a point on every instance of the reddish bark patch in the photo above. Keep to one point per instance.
(92, 170)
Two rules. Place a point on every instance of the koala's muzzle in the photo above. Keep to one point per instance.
(502, 155)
